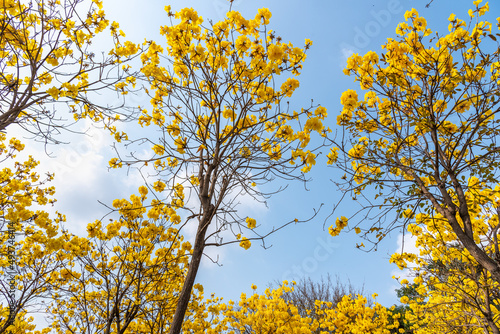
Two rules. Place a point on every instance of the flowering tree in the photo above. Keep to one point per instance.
(218, 107)
(426, 126)
(124, 277)
(453, 292)
(46, 56)
(425, 139)
(29, 242)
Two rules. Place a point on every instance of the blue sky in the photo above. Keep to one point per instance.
(337, 28)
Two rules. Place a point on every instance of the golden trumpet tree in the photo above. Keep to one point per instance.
(424, 137)
(46, 56)
(455, 293)
(125, 277)
(30, 243)
(217, 105)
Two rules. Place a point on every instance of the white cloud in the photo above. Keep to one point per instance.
(407, 244)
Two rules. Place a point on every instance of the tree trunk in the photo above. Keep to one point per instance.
(477, 253)
(185, 295)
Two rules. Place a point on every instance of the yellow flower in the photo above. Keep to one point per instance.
(114, 163)
(159, 149)
(289, 86)
(251, 223)
(321, 112)
(54, 92)
(194, 180)
(412, 13)
(181, 144)
(314, 124)
(484, 9)
(340, 224)
(264, 14)
(333, 155)
(16, 144)
(242, 43)
(117, 203)
(245, 152)
(143, 191)
(275, 53)
(159, 186)
(245, 243)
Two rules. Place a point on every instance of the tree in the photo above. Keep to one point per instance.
(30, 251)
(46, 56)
(125, 276)
(425, 137)
(451, 291)
(224, 129)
